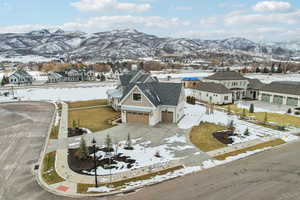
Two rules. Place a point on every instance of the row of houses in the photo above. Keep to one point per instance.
(72, 75)
(22, 77)
(227, 87)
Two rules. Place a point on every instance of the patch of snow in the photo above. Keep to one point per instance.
(101, 189)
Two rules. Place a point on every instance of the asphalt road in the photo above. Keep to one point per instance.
(271, 175)
(23, 127)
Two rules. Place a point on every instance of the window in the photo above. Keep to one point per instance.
(137, 97)
(226, 98)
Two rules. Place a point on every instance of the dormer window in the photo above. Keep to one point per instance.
(137, 97)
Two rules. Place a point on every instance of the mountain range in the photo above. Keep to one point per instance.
(129, 44)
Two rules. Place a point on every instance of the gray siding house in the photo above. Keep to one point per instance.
(20, 77)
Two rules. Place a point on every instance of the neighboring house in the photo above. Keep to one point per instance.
(281, 93)
(86, 74)
(144, 100)
(54, 77)
(254, 88)
(234, 81)
(20, 77)
(71, 75)
(189, 82)
(215, 93)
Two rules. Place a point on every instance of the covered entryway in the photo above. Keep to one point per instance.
(137, 118)
(167, 117)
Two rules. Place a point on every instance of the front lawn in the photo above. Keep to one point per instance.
(202, 136)
(94, 119)
(259, 146)
(49, 174)
(277, 118)
(90, 103)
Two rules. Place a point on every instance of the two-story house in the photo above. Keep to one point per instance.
(142, 99)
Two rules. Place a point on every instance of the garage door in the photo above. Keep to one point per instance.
(167, 117)
(137, 118)
(278, 99)
(292, 101)
(266, 98)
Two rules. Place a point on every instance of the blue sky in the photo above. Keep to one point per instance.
(205, 19)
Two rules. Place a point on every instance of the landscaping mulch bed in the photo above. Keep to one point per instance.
(78, 165)
(72, 132)
(224, 136)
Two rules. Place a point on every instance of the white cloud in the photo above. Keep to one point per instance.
(104, 23)
(109, 5)
(267, 6)
(183, 7)
(240, 19)
(209, 21)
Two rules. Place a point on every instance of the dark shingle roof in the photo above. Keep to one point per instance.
(212, 87)
(292, 88)
(255, 84)
(227, 75)
(159, 93)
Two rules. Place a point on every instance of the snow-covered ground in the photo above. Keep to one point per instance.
(26, 59)
(265, 78)
(144, 154)
(60, 94)
(187, 170)
(194, 114)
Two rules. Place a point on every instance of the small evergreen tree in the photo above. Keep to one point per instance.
(128, 144)
(98, 77)
(273, 68)
(83, 151)
(279, 69)
(102, 78)
(247, 133)
(231, 125)
(251, 109)
(265, 70)
(266, 118)
(289, 111)
(108, 144)
(257, 70)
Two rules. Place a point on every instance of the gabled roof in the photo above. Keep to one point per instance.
(21, 73)
(133, 77)
(212, 87)
(283, 87)
(226, 75)
(255, 84)
(158, 93)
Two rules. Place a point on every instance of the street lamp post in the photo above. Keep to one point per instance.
(95, 161)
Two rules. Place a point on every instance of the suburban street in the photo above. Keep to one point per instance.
(271, 175)
(23, 127)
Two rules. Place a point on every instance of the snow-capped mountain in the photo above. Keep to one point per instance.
(127, 43)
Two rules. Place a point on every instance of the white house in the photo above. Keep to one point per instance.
(215, 93)
(234, 81)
